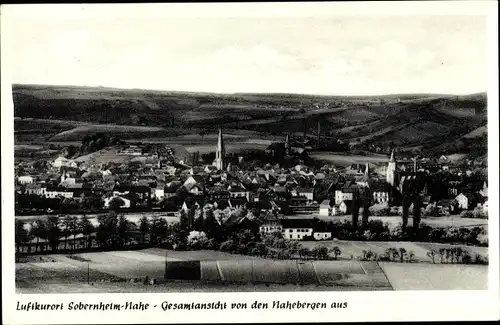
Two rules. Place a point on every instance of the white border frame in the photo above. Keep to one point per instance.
(362, 306)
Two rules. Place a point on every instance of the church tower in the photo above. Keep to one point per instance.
(367, 170)
(288, 148)
(219, 155)
(391, 170)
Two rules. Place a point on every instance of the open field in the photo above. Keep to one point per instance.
(172, 286)
(436, 277)
(229, 272)
(343, 159)
(225, 269)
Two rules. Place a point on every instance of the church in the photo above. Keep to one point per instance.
(220, 153)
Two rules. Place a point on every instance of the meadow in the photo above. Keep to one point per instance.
(436, 277)
(219, 271)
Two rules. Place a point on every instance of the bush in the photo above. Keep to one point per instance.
(482, 239)
(466, 214)
(430, 211)
(479, 259)
(197, 240)
(478, 213)
(227, 246)
(381, 209)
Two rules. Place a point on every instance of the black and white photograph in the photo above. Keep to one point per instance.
(287, 153)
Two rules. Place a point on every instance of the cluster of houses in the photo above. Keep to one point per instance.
(298, 191)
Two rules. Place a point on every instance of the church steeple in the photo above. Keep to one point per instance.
(219, 155)
(367, 170)
(391, 170)
(288, 149)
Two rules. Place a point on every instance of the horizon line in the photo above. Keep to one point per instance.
(250, 92)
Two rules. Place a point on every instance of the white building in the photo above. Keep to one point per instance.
(381, 196)
(238, 192)
(325, 209)
(485, 207)
(345, 206)
(194, 179)
(342, 195)
(36, 189)
(25, 179)
(271, 226)
(61, 162)
(159, 193)
(55, 193)
(322, 235)
(466, 201)
(296, 229)
(308, 193)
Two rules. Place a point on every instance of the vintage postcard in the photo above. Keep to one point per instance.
(282, 162)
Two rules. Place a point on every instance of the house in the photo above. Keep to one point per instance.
(484, 190)
(35, 189)
(345, 206)
(196, 189)
(25, 179)
(446, 206)
(158, 192)
(79, 188)
(171, 170)
(237, 190)
(209, 169)
(190, 204)
(143, 192)
(453, 182)
(106, 172)
(238, 203)
(218, 193)
(196, 170)
(308, 193)
(325, 209)
(121, 189)
(169, 191)
(124, 198)
(322, 235)
(270, 224)
(380, 192)
(194, 179)
(297, 229)
(468, 201)
(485, 206)
(61, 162)
(343, 195)
(55, 192)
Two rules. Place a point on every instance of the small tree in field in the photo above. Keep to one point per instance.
(86, 228)
(402, 254)
(53, 232)
(432, 256)
(336, 252)
(144, 228)
(21, 235)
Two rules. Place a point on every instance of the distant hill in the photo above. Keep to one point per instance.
(421, 121)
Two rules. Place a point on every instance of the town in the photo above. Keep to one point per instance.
(283, 196)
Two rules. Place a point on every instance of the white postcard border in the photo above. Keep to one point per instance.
(362, 306)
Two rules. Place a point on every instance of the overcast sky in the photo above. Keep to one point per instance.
(323, 55)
